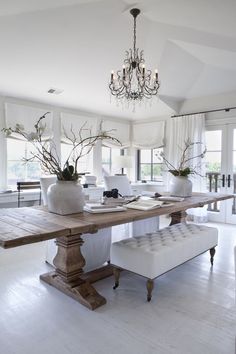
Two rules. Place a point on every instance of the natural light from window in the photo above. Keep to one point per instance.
(108, 155)
(18, 170)
(150, 167)
(84, 164)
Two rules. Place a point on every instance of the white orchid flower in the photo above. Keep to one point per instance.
(32, 136)
(19, 127)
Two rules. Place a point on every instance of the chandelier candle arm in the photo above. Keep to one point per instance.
(134, 81)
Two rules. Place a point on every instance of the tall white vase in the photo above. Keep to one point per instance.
(65, 197)
(180, 186)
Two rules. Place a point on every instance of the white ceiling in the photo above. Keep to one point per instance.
(73, 45)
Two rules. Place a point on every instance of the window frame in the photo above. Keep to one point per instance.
(122, 152)
(25, 164)
(139, 164)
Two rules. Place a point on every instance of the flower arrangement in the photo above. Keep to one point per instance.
(46, 152)
(186, 165)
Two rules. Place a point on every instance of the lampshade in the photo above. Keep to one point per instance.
(123, 161)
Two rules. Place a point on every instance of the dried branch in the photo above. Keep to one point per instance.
(185, 166)
(46, 152)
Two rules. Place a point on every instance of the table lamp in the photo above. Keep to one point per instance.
(122, 162)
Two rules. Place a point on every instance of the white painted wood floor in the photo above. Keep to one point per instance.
(192, 310)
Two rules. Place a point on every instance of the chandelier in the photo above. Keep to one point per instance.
(134, 81)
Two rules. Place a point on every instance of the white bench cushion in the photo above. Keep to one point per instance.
(154, 254)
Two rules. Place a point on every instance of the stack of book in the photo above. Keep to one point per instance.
(101, 208)
(170, 199)
(147, 204)
(114, 201)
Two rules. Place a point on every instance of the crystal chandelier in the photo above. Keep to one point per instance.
(134, 81)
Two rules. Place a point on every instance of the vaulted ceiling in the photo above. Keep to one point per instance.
(73, 45)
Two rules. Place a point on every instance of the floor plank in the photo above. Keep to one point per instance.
(192, 310)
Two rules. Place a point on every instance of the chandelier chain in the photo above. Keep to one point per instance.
(134, 35)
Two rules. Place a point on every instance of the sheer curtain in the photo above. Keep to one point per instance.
(191, 127)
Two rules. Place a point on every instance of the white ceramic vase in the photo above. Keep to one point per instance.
(65, 197)
(180, 186)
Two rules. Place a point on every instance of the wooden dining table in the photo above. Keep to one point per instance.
(21, 226)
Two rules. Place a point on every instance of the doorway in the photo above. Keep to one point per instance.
(221, 170)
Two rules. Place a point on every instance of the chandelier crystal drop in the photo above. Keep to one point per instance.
(134, 81)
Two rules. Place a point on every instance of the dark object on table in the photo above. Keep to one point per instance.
(157, 195)
(111, 194)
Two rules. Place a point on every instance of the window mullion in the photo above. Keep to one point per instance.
(151, 164)
(138, 166)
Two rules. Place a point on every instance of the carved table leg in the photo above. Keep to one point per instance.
(177, 217)
(67, 276)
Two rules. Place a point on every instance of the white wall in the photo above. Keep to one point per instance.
(212, 103)
(209, 103)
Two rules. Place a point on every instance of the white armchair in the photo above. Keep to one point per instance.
(120, 182)
(123, 185)
(96, 248)
(45, 182)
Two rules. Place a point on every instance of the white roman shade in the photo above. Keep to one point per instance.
(71, 125)
(148, 135)
(118, 130)
(27, 116)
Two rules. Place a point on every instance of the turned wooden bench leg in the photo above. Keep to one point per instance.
(116, 272)
(150, 285)
(212, 253)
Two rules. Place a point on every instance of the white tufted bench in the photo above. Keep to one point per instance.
(156, 253)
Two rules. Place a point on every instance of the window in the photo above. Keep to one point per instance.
(84, 164)
(213, 161)
(17, 169)
(150, 164)
(213, 154)
(108, 155)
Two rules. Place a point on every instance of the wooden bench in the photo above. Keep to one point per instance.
(156, 253)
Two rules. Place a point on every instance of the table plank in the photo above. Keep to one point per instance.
(27, 226)
(19, 226)
(110, 219)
